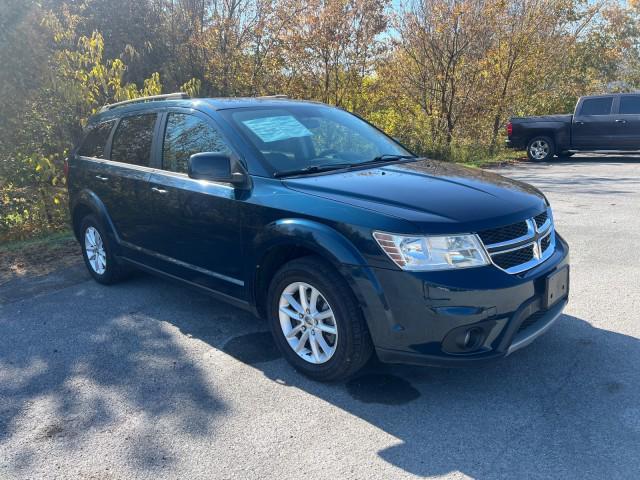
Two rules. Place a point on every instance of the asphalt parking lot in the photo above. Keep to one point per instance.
(147, 379)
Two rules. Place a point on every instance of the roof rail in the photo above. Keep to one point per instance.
(168, 96)
(279, 95)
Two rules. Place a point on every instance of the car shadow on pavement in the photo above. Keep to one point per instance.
(564, 407)
(600, 158)
(114, 363)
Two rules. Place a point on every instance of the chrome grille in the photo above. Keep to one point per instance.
(513, 258)
(503, 234)
(521, 246)
(541, 219)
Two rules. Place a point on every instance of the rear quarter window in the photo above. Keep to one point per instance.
(95, 140)
(132, 140)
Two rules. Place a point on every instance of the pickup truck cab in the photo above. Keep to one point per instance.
(600, 122)
(316, 221)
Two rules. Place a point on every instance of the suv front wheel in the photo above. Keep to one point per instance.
(316, 322)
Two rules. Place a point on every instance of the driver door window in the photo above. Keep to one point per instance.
(186, 135)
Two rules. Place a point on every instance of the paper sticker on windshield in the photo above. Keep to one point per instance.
(281, 127)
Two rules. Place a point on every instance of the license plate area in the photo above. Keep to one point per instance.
(557, 287)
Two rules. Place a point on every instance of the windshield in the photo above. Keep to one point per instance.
(302, 137)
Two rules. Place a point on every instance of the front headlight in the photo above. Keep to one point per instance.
(433, 252)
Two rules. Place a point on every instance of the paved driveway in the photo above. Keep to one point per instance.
(151, 380)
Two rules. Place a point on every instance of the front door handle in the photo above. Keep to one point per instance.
(621, 121)
(159, 190)
(579, 122)
(102, 179)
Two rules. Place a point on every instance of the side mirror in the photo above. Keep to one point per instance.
(217, 167)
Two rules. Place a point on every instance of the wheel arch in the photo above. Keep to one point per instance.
(541, 133)
(288, 239)
(88, 203)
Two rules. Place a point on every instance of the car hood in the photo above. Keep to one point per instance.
(436, 197)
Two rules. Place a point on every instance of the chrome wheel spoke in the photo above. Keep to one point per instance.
(293, 315)
(313, 301)
(293, 302)
(327, 328)
(294, 331)
(324, 315)
(302, 341)
(314, 348)
(322, 343)
(303, 298)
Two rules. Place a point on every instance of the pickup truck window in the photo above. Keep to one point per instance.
(185, 135)
(596, 106)
(630, 104)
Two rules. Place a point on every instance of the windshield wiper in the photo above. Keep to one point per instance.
(325, 167)
(312, 169)
(387, 157)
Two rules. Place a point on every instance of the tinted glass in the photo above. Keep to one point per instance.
(296, 136)
(597, 106)
(132, 140)
(630, 104)
(95, 140)
(185, 135)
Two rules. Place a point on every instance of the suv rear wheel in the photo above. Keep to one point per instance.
(316, 322)
(98, 253)
(540, 149)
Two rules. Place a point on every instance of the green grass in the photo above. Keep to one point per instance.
(502, 157)
(49, 240)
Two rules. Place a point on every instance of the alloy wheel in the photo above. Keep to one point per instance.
(539, 149)
(308, 323)
(96, 253)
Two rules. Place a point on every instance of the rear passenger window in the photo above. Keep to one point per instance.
(132, 140)
(95, 141)
(596, 106)
(630, 104)
(186, 135)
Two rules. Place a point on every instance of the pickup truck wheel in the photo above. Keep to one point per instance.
(316, 322)
(540, 149)
(98, 253)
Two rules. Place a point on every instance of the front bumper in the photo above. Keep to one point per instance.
(424, 317)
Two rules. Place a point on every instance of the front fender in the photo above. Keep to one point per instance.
(316, 236)
(337, 249)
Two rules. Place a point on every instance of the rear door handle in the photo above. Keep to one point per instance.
(101, 178)
(579, 123)
(621, 121)
(158, 190)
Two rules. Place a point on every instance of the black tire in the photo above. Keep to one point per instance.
(113, 270)
(353, 348)
(540, 149)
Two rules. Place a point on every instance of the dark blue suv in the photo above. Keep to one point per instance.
(310, 217)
